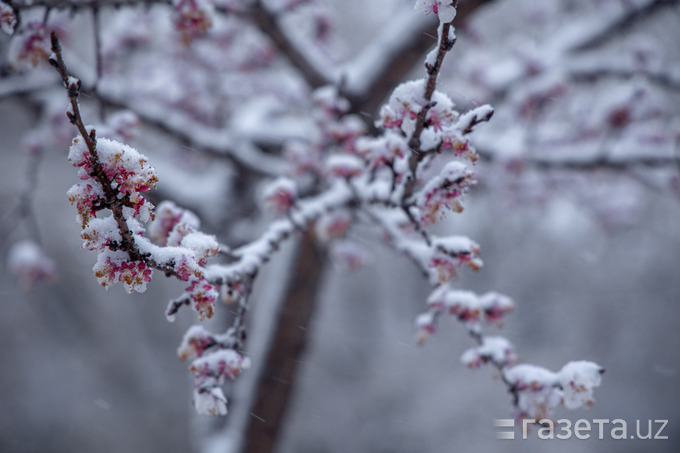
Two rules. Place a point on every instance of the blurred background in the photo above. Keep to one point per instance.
(576, 210)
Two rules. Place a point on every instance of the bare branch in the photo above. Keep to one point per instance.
(268, 24)
(82, 4)
(625, 22)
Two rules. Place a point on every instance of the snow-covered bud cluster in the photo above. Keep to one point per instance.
(468, 307)
(444, 191)
(128, 172)
(444, 128)
(121, 126)
(192, 18)
(493, 349)
(448, 254)
(27, 261)
(30, 46)
(330, 101)
(303, 157)
(116, 266)
(345, 165)
(443, 8)
(279, 195)
(172, 223)
(338, 130)
(7, 19)
(403, 107)
(539, 391)
(195, 342)
(210, 372)
(185, 251)
(386, 149)
(349, 255)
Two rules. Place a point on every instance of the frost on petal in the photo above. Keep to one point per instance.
(578, 379)
(28, 262)
(210, 401)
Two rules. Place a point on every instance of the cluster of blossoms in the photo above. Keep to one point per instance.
(129, 174)
(115, 180)
(447, 254)
(444, 191)
(185, 249)
(279, 195)
(497, 350)
(7, 19)
(28, 262)
(338, 177)
(30, 45)
(192, 18)
(211, 367)
(468, 307)
(539, 391)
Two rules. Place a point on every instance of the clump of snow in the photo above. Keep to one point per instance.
(28, 262)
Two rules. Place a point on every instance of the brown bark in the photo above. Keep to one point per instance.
(408, 57)
(276, 384)
(277, 381)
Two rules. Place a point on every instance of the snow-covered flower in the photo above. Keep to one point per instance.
(210, 401)
(27, 261)
(29, 46)
(279, 195)
(196, 340)
(443, 8)
(7, 19)
(495, 349)
(578, 379)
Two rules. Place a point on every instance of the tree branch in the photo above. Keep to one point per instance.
(626, 21)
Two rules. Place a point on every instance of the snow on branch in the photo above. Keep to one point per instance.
(417, 168)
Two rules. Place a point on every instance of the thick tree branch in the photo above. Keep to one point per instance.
(268, 23)
(404, 58)
(625, 22)
(82, 4)
(287, 347)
